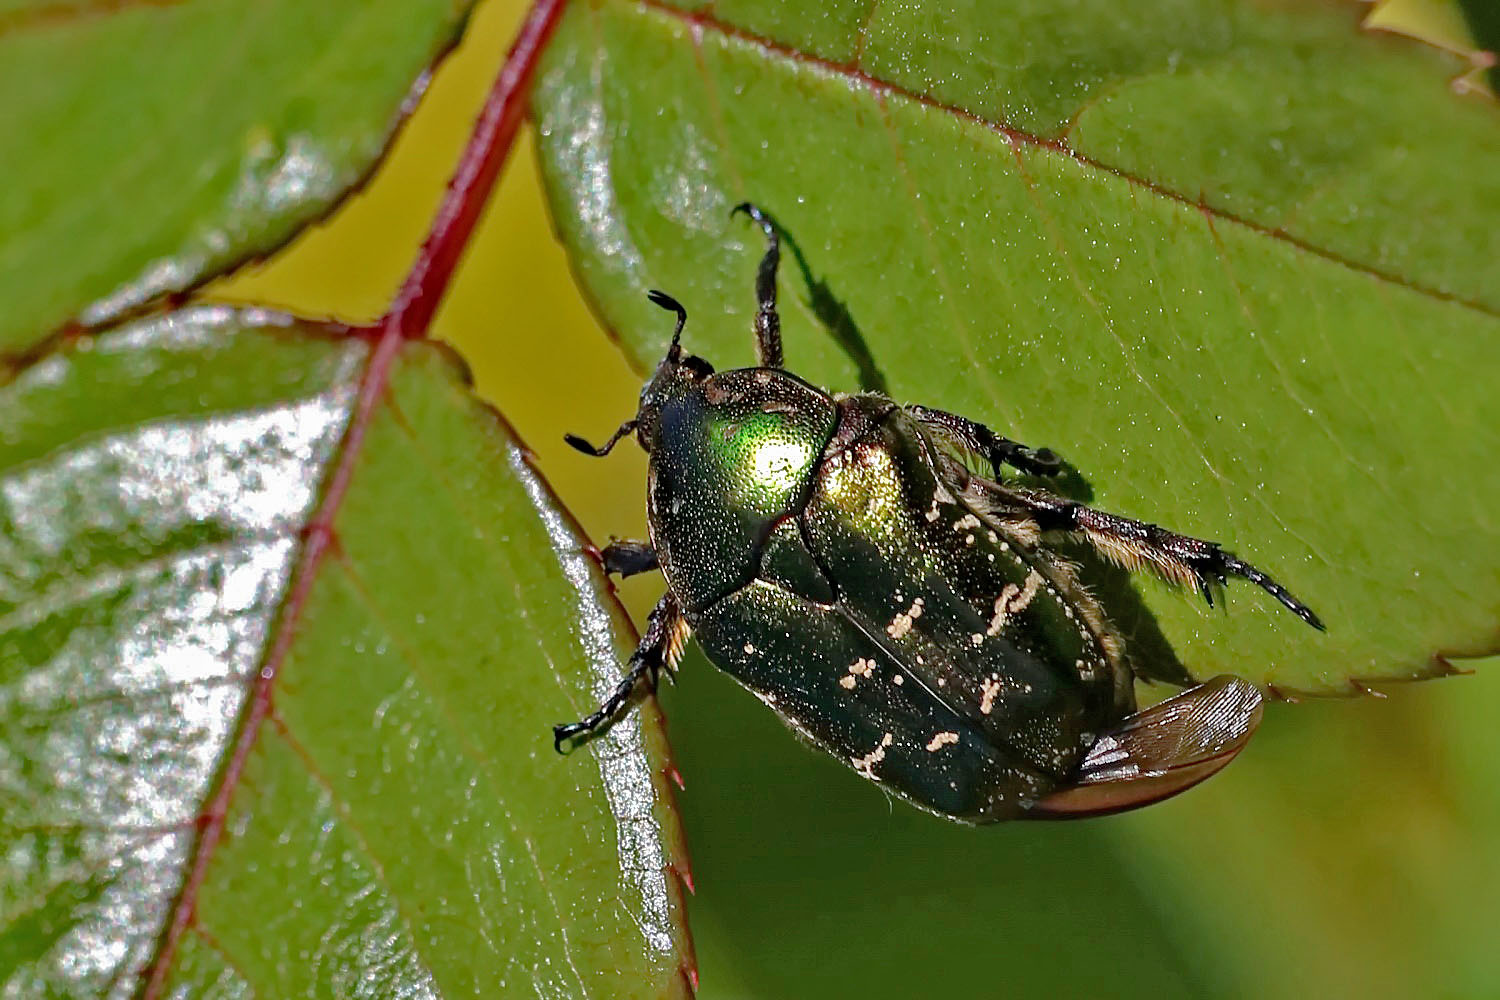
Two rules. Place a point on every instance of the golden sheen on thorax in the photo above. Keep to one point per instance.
(863, 484)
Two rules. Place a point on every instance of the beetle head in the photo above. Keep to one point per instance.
(674, 374)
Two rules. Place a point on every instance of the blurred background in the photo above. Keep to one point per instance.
(1353, 850)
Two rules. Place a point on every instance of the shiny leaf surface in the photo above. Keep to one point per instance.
(1236, 263)
(375, 724)
(150, 146)
(1348, 850)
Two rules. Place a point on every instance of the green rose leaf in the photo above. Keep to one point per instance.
(1234, 262)
(150, 147)
(229, 767)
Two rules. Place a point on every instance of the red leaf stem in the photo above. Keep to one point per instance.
(469, 187)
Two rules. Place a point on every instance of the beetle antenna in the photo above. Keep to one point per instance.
(600, 452)
(672, 305)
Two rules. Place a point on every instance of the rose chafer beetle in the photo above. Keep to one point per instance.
(836, 555)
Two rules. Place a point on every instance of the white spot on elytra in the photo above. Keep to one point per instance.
(940, 740)
(861, 667)
(1013, 600)
(901, 624)
(988, 690)
(866, 765)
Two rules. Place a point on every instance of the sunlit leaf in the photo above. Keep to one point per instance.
(150, 146)
(371, 728)
(1258, 304)
(1235, 262)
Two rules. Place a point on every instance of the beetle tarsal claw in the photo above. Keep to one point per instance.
(1206, 589)
(1048, 461)
(564, 731)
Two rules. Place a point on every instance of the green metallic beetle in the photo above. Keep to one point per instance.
(836, 556)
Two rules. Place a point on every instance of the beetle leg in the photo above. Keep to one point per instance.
(627, 558)
(996, 450)
(767, 321)
(1131, 544)
(1158, 752)
(659, 650)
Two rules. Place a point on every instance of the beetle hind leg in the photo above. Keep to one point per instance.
(659, 650)
(1132, 544)
(1159, 752)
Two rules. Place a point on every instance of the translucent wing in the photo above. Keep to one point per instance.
(1160, 752)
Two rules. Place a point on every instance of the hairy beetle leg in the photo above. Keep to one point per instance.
(1158, 752)
(997, 450)
(1131, 543)
(626, 557)
(659, 650)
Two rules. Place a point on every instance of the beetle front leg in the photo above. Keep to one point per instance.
(1131, 544)
(626, 557)
(659, 650)
(996, 450)
(767, 320)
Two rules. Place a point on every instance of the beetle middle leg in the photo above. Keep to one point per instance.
(1131, 543)
(626, 557)
(659, 650)
(997, 450)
